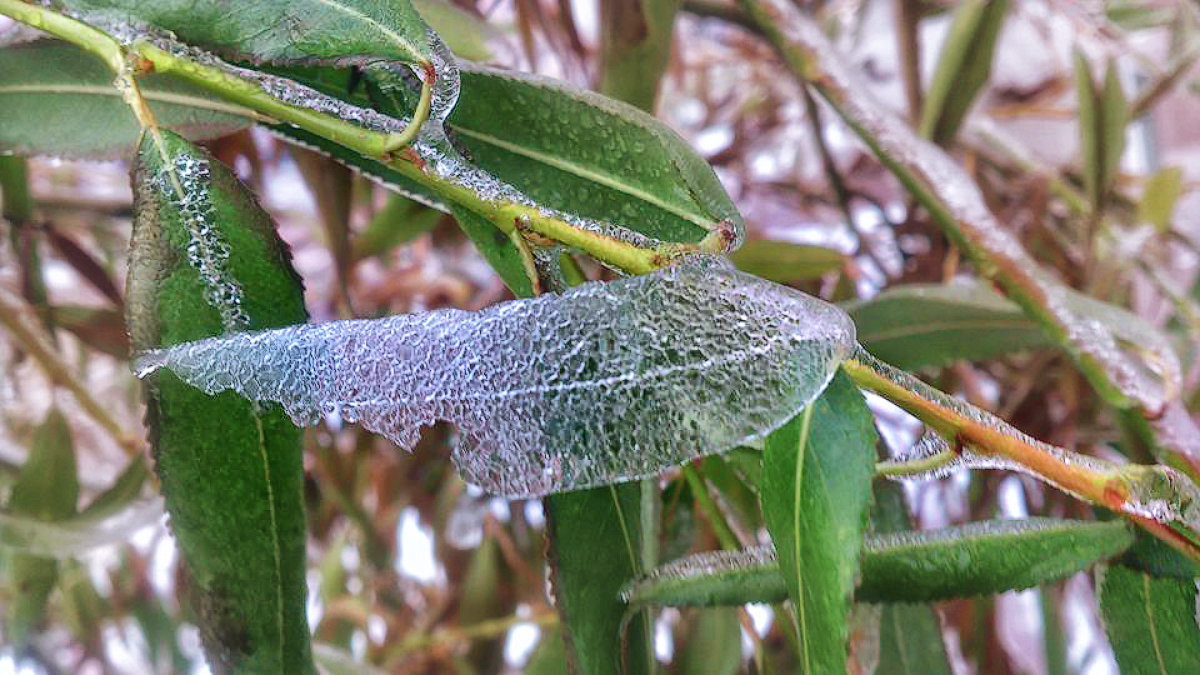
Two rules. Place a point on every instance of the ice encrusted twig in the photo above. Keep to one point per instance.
(604, 383)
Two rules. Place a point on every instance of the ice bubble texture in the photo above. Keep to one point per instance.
(605, 383)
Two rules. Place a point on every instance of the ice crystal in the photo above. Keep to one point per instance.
(604, 383)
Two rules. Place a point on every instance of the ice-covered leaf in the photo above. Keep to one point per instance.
(1151, 623)
(920, 325)
(816, 493)
(205, 260)
(604, 383)
(59, 100)
(909, 566)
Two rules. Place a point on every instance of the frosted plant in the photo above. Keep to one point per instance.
(604, 383)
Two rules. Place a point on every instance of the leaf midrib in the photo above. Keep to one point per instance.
(150, 95)
(584, 172)
(798, 536)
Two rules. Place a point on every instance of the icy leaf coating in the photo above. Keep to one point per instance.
(605, 383)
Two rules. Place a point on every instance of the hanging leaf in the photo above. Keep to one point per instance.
(1151, 623)
(206, 261)
(921, 325)
(816, 493)
(586, 594)
(60, 101)
(604, 383)
(714, 644)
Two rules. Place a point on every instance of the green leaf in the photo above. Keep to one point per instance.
(497, 249)
(231, 471)
(785, 262)
(963, 68)
(921, 325)
(903, 566)
(1151, 623)
(1149, 554)
(816, 493)
(589, 567)
(1159, 197)
(47, 489)
(1114, 111)
(59, 100)
(48, 486)
(1091, 154)
(399, 222)
(349, 31)
(714, 644)
(910, 635)
(983, 558)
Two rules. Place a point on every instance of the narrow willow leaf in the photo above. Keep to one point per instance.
(500, 252)
(1142, 377)
(963, 67)
(1151, 623)
(785, 262)
(47, 489)
(604, 383)
(908, 566)
(1089, 127)
(921, 325)
(910, 635)
(205, 261)
(1114, 109)
(1149, 554)
(59, 100)
(983, 558)
(1159, 197)
(816, 494)
(399, 222)
(589, 566)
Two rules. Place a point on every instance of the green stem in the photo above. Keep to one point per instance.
(709, 508)
(75, 32)
(916, 467)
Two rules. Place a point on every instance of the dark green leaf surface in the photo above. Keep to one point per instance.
(785, 262)
(816, 493)
(922, 325)
(591, 563)
(1151, 623)
(583, 153)
(59, 100)
(281, 30)
(247, 563)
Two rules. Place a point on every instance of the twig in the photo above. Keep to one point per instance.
(12, 315)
